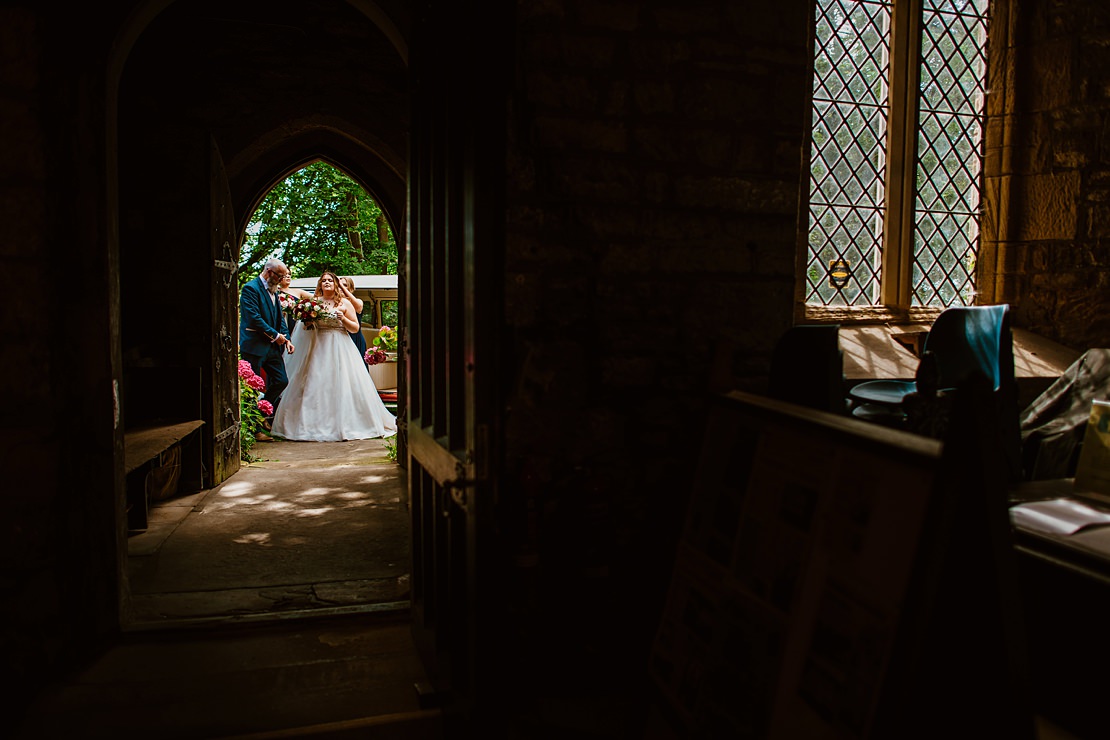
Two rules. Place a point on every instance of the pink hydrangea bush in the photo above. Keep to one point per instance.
(252, 408)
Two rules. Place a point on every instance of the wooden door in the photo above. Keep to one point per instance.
(221, 375)
(181, 232)
(453, 308)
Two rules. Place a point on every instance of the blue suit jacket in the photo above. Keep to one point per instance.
(257, 312)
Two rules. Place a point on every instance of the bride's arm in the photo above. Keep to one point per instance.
(348, 318)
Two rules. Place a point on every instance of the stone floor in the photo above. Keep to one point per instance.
(310, 526)
(274, 605)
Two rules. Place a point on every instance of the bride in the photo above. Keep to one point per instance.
(330, 397)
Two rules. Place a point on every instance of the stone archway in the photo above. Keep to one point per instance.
(266, 88)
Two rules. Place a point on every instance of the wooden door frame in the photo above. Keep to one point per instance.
(452, 342)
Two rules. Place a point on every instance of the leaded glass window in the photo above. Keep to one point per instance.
(896, 229)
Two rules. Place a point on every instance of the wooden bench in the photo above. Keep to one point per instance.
(160, 462)
(163, 449)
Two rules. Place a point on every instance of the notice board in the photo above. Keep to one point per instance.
(807, 561)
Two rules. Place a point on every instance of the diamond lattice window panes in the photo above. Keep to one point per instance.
(879, 234)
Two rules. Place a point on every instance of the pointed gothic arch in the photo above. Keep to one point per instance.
(188, 161)
(380, 173)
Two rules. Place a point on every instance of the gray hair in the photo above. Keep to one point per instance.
(272, 264)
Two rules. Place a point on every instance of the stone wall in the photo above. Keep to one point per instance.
(58, 443)
(1046, 230)
(654, 174)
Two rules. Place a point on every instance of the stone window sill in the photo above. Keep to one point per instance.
(889, 351)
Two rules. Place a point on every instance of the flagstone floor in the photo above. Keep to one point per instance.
(310, 526)
(272, 605)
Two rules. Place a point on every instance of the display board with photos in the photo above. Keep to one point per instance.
(790, 584)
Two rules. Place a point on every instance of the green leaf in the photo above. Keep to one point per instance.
(312, 221)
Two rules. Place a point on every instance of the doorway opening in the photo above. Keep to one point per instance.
(302, 528)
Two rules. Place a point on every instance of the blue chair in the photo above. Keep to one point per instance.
(963, 340)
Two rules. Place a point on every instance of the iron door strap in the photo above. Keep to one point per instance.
(459, 485)
(469, 472)
(227, 432)
(228, 266)
(451, 475)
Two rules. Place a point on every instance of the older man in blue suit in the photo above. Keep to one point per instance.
(262, 330)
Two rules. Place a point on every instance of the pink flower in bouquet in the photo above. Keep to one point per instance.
(245, 370)
(287, 301)
(374, 356)
(266, 407)
(256, 382)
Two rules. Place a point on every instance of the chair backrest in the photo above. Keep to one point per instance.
(966, 339)
(807, 368)
(971, 340)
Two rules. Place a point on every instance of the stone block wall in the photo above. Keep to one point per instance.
(58, 443)
(1046, 228)
(654, 172)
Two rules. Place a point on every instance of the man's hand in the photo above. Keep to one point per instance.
(280, 340)
(289, 347)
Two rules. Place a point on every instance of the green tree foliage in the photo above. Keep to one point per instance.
(319, 219)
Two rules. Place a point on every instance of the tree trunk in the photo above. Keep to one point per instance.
(383, 230)
(355, 238)
(353, 234)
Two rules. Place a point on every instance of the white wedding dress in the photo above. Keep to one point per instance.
(330, 397)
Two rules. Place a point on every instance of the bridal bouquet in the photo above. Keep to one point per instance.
(309, 309)
(287, 302)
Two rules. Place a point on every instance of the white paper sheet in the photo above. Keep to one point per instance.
(1063, 516)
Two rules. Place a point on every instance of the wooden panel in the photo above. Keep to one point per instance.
(443, 466)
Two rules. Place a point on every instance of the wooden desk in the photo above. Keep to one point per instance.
(1086, 552)
(872, 353)
(1064, 581)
